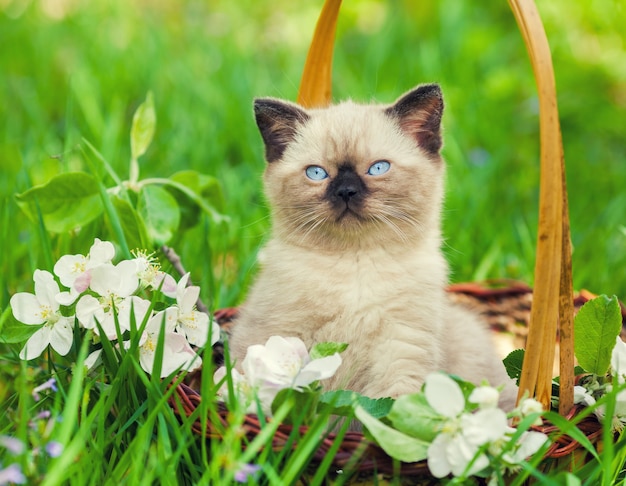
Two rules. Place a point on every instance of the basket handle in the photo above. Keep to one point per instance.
(552, 298)
(552, 303)
(316, 84)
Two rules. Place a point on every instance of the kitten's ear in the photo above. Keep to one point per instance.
(278, 122)
(419, 114)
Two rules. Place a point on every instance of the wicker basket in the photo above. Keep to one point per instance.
(507, 308)
(505, 305)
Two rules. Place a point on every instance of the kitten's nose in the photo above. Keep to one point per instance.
(347, 191)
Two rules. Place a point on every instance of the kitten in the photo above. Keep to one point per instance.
(355, 193)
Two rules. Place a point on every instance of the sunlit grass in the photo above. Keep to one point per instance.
(78, 70)
(82, 69)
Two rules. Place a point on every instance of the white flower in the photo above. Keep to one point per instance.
(618, 360)
(177, 353)
(285, 362)
(12, 474)
(444, 395)
(529, 443)
(93, 360)
(452, 454)
(74, 270)
(43, 308)
(150, 274)
(484, 426)
(530, 406)
(457, 448)
(190, 322)
(583, 397)
(278, 364)
(244, 394)
(115, 285)
(485, 396)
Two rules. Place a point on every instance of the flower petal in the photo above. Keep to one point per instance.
(485, 396)
(196, 327)
(154, 324)
(69, 267)
(101, 252)
(120, 280)
(82, 282)
(187, 299)
(26, 308)
(93, 359)
(177, 354)
(46, 289)
(166, 283)
(485, 425)
(618, 359)
(36, 344)
(129, 281)
(67, 298)
(88, 309)
(61, 336)
(318, 369)
(460, 453)
(437, 458)
(444, 395)
(261, 367)
(180, 288)
(529, 443)
(289, 351)
(215, 332)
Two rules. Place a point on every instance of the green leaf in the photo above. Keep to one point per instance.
(67, 201)
(131, 223)
(321, 350)
(160, 213)
(13, 331)
(596, 326)
(205, 186)
(513, 364)
(341, 402)
(142, 130)
(413, 415)
(202, 204)
(398, 445)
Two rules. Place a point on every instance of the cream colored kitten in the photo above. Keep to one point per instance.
(355, 193)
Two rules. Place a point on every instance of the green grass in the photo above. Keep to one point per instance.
(84, 74)
(74, 70)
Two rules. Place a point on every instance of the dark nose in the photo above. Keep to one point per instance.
(347, 191)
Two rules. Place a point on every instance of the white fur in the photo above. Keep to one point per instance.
(378, 287)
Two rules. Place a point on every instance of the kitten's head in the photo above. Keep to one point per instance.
(354, 175)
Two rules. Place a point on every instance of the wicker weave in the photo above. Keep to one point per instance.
(499, 304)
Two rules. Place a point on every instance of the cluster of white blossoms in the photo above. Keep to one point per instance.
(104, 298)
(267, 369)
(592, 389)
(471, 442)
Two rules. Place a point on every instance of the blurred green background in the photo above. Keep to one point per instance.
(71, 69)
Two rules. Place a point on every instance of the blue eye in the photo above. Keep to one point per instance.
(316, 173)
(379, 167)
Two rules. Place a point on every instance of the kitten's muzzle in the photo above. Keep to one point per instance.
(346, 187)
(347, 192)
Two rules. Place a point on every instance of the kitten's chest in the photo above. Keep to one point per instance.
(357, 281)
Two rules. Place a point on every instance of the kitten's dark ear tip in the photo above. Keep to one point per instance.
(419, 113)
(261, 104)
(278, 122)
(432, 89)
